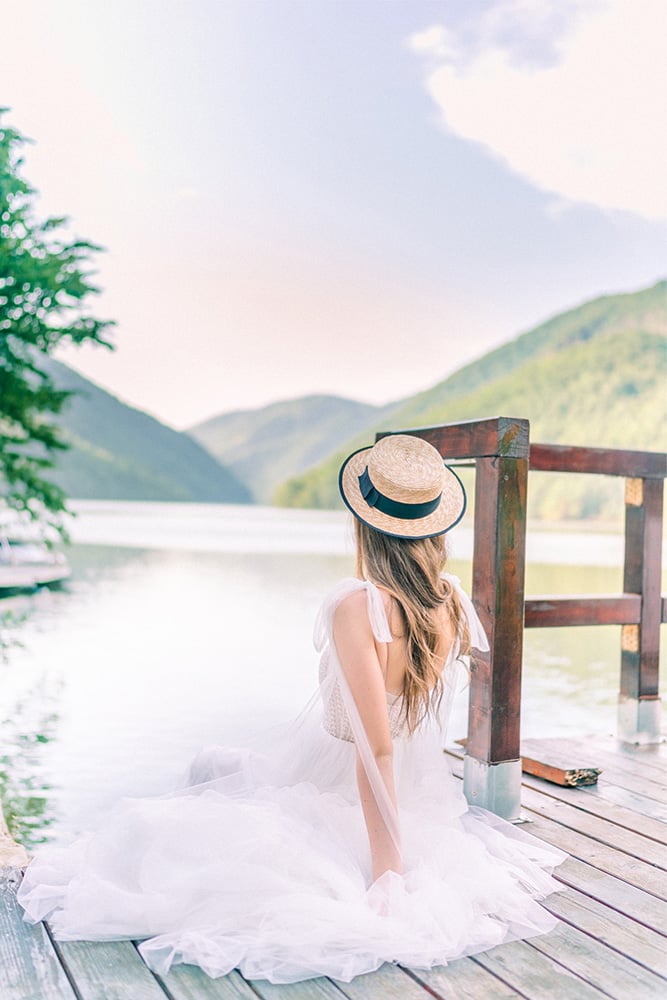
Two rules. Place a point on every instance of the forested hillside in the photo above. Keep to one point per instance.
(595, 375)
(121, 453)
(265, 446)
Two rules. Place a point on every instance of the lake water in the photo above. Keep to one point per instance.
(187, 624)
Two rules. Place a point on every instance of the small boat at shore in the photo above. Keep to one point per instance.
(27, 563)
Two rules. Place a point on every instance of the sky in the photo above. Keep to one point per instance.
(342, 196)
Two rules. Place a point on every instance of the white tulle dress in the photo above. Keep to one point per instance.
(262, 861)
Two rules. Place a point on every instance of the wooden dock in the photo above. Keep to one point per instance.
(610, 943)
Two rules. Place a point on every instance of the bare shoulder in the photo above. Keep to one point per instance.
(353, 607)
(351, 616)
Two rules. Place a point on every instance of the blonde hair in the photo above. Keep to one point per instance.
(410, 570)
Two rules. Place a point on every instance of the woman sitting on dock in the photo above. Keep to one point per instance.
(341, 841)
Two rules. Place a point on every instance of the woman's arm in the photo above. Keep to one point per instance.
(385, 855)
(355, 646)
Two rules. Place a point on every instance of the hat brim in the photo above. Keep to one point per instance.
(447, 514)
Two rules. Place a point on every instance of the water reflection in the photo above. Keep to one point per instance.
(12, 617)
(24, 791)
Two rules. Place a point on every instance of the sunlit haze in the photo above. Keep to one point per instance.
(314, 196)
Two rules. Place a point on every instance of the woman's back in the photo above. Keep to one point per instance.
(367, 621)
(394, 656)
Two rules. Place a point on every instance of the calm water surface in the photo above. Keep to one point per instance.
(191, 624)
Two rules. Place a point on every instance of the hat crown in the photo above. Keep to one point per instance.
(400, 486)
(406, 469)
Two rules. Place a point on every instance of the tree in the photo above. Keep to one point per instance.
(45, 287)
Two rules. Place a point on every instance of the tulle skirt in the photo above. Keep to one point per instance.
(261, 862)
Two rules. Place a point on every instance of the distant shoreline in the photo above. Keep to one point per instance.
(205, 527)
(80, 506)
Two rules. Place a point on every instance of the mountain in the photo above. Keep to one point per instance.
(594, 375)
(120, 453)
(265, 446)
(644, 311)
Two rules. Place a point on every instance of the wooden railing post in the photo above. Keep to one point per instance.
(500, 447)
(639, 700)
(492, 766)
(502, 452)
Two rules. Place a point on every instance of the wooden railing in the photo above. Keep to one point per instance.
(503, 455)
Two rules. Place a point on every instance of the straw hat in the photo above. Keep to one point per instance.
(401, 487)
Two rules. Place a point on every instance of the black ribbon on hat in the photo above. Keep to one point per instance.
(394, 508)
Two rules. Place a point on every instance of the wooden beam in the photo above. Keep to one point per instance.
(601, 609)
(551, 764)
(559, 774)
(603, 461)
(498, 593)
(567, 768)
(495, 436)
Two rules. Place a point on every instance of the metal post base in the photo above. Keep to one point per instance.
(639, 720)
(496, 787)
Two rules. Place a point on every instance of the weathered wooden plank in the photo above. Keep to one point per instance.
(464, 980)
(584, 799)
(554, 765)
(492, 437)
(547, 611)
(652, 751)
(604, 461)
(616, 770)
(309, 989)
(615, 893)
(389, 982)
(652, 769)
(570, 758)
(534, 974)
(607, 888)
(189, 982)
(557, 771)
(642, 945)
(606, 859)
(638, 783)
(649, 760)
(596, 805)
(613, 758)
(596, 828)
(631, 800)
(29, 966)
(108, 970)
(614, 974)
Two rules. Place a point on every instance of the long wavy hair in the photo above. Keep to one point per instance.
(410, 570)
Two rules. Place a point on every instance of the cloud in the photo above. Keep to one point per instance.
(433, 41)
(574, 104)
